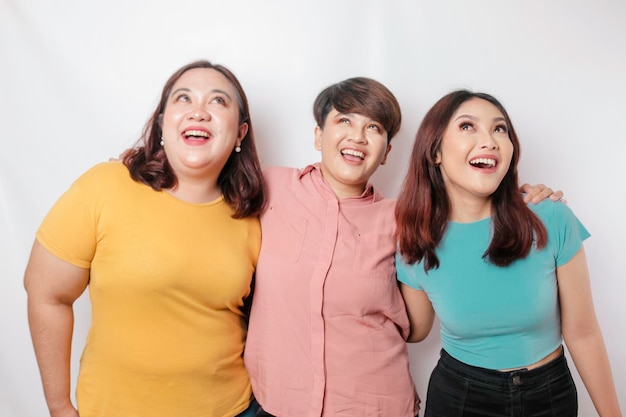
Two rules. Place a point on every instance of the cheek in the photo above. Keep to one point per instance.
(507, 151)
(170, 121)
(455, 151)
(378, 145)
(330, 138)
(381, 153)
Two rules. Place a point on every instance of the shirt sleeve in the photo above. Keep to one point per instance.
(69, 229)
(566, 233)
(408, 274)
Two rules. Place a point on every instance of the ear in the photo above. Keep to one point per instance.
(386, 154)
(438, 158)
(243, 131)
(318, 137)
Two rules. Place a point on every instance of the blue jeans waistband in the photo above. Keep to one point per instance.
(509, 379)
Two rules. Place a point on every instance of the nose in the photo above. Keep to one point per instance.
(358, 135)
(488, 142)
(199, 114)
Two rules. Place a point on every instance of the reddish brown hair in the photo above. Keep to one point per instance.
(241, 179)
(423, 208)
(363, 96)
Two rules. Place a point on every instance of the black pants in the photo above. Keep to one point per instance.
(460, 390)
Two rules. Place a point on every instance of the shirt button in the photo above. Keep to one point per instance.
(517, 380)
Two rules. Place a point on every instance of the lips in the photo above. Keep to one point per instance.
(353, 154)
(483, 162)
(196, 134)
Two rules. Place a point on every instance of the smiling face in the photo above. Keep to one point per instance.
(201, 124)
(353, 146)
(475, 152)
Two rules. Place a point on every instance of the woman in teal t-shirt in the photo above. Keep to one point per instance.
(509, 282)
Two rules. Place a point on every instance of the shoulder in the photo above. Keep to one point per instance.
(278, 173)
(105, 175)
(389, 203)
(550, 211)
(280, 178)
(103, 171)
(106, 170)
(566, 232)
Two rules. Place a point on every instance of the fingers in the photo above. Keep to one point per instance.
(542, 195)
(556, 196)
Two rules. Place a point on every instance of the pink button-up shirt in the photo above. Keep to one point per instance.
(328, 325)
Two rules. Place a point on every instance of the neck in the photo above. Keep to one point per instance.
(469, 209)
(347, 192)
(343, 190)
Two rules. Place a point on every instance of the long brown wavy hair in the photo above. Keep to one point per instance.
(423, 207)
(241, 180)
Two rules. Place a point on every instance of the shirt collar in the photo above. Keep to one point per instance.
(369, 188)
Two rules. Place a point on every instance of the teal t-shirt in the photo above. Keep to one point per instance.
(498, 317)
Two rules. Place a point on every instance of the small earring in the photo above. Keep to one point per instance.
(237, 148)
(162, 142)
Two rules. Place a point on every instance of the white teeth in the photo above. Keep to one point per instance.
(353, 152)
(484, 161)
(200, 133)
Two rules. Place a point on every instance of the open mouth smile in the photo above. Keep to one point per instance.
(484, 162)
(353, 154)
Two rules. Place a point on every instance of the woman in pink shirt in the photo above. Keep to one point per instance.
(328, 324)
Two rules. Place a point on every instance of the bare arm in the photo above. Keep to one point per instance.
(540, 192)
(420, 310)
(52, 286)
(583, 336)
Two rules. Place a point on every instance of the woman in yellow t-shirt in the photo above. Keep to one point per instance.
(167, 242)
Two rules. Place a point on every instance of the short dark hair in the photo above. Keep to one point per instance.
(360, 95)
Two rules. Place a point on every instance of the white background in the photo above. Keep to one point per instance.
(79, 78)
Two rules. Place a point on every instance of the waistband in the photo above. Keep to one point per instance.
(517, 378)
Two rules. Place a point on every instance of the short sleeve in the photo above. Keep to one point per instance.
(566, 233)
(407, 273)
(69, 229)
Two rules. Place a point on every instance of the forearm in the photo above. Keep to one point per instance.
(592, 362)
(51, 326)
(420, 330)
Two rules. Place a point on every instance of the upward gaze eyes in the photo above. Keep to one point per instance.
(219, 100)
(182, 97)
(501, 129)
(185, 98)
(467, 126)
(372, 126)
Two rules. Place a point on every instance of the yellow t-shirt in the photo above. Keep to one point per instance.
(168, 279)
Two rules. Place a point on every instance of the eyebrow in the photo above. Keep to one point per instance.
(215, 90)
(469, 116)
(352, 114)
